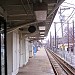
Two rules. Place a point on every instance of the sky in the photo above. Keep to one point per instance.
(68, 13)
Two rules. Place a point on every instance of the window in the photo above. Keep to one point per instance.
(3, 60)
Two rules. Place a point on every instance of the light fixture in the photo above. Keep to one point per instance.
(47, 23)
(41, 35)
(44, 37)
(40, 10)
(32, 37)
(41, 15)
(41, 27)
(42, 32)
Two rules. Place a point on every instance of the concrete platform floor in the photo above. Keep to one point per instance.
(38, 65)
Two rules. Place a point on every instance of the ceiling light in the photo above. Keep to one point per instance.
(40, 10)
(32, 37)
(41, 27)
(44, 37)
(42, 32)
(47, 23)
(41, 35)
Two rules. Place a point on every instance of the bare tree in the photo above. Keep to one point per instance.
(70, 34)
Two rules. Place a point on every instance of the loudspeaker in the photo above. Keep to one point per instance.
(32, 29)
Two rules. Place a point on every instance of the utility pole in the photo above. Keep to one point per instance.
(73, 38)
(61, 20)
(50, 41)
(57, 41)
(53, 40)
(68, 35)
(55, 35)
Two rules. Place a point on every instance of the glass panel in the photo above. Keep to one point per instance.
(3, 64)
(2, 48)
(2, 54)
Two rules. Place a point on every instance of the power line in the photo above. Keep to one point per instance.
(67, 6)
(69, 3)
(71, 16)
(66, 20)
(71, 13)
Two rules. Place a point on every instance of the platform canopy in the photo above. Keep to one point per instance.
(21, 14)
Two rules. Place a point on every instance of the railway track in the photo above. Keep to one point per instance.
(60, 66)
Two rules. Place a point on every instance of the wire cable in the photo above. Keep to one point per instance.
(71, 16)
(69, 3)
(67, 6)
(66, 20)
(29, 6)
(24, 7)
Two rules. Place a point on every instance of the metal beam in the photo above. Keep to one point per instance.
(11, 2)
(19, 17)
(56, 7)
(1, 11)
(50, 7)
(17, 7)
(22, 25)
(15, 12)
(18, 20)
(49, 1)
(52, 4)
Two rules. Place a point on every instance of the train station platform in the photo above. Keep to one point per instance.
(38, 65)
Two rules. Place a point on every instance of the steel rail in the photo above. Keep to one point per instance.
(56, 67)
(64, 65)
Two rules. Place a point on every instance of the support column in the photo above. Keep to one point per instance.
(30, 50)
(27, 50)
(15, 52)
(10, 53)
(24, 50)
(21, 50)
